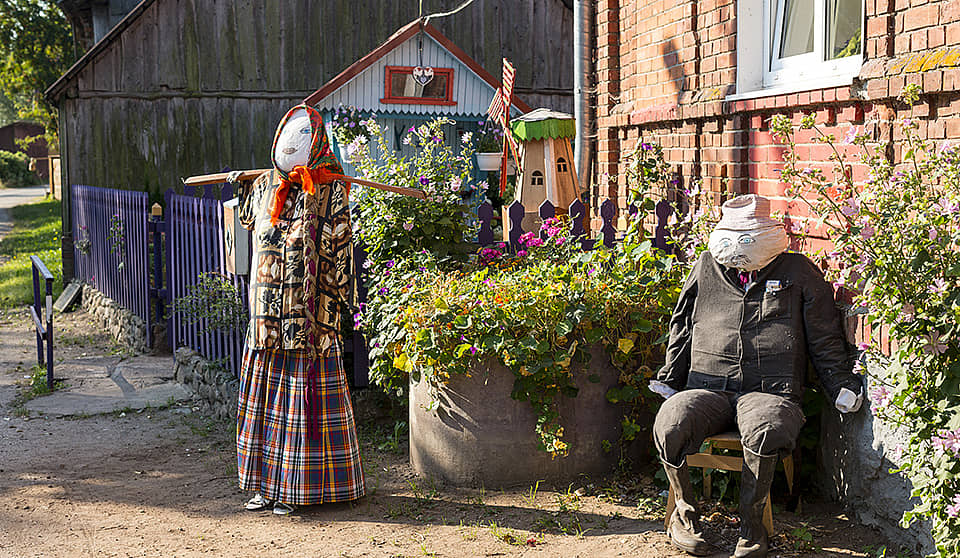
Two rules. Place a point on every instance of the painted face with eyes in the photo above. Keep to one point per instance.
(294, 141)
(747, 250)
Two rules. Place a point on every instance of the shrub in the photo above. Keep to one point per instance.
(15, 170)
(897, 246)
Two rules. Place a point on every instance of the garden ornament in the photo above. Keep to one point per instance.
(749, 318)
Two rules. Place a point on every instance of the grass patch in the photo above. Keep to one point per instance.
(36, 231)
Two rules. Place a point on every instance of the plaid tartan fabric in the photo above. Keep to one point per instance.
(279, 453)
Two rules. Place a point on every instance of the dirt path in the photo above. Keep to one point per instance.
(161, 482)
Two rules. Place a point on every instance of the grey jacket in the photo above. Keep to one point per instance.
(727, 339)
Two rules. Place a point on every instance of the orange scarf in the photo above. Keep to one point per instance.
(308, 179)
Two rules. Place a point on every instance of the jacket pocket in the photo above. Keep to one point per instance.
(777, 305)
(779, 385)
(697, 380)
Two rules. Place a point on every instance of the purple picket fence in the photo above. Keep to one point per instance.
(194, 245)
(117, 265)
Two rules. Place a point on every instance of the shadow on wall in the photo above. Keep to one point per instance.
(856, 456)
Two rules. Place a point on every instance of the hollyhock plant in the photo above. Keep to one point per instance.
(902, 235)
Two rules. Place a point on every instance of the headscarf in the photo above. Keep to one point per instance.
(322, 166)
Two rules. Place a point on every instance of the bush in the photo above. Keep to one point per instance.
(897, 246)
(15, 170)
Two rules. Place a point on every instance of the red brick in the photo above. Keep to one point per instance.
(921, 16)
(933, 80)
(936, 37)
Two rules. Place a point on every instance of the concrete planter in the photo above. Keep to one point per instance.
(481, 437)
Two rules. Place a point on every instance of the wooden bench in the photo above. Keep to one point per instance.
(706, 459)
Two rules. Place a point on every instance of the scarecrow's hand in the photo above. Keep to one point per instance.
(849, 402)
(661, 389)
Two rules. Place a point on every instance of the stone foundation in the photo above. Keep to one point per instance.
(856, 455)
(216, 387)
(127, 328)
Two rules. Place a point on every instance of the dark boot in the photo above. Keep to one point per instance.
(755, 483)
(684, 525)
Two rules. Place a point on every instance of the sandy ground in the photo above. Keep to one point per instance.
(161, 482)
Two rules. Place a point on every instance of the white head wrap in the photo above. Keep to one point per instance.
(746, 237)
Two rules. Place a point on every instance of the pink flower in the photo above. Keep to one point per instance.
(560, 240)
(525, 238)
(932, 233)
(907, 312)
(863, 346)
(455, 184)
(521, 253)
(850, 135)
(880, 396)
(954, 509)
(934, 346)
(408, 226)
(534, 242)
(851, 207)
(947, 442)
(867, 231)
(939, 286)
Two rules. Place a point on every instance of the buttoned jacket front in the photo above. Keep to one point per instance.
(725, 338)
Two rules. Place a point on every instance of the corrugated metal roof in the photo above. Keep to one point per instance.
(364, 91)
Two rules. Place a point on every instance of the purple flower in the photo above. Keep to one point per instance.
(357, 320)
(908, 312)
(932, 233)
(851, 207)
(646, 146)
(473, 350)
(412, 129)
(435, 139)
(422, 269)
(383, 291)
(525, 238)
(424, 180)
(521, 253)
(390, 263)
(867, 231)
(851, 135)
(946, 205)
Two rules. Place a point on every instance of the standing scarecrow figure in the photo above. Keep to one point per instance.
(749, 317)
(296, 438)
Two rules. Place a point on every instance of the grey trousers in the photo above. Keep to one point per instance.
(768, 424)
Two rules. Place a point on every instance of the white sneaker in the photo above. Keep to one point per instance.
(257, 503)
(282, 509)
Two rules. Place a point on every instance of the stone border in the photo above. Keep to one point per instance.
(127, 328)
(216, 386)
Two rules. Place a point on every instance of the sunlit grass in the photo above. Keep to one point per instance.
(36, 231)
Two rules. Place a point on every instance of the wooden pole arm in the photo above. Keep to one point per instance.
(219, 177)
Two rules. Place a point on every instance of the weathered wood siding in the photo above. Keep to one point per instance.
(194, 86)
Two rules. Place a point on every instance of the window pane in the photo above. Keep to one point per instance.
(844, 22)
(796, 36)
(403, 85)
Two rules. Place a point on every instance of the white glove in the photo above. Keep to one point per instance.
(661, 389)
(849, 402)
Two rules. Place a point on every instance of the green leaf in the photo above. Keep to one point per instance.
(462, 349)
(462, 322)
(564, 328)
(441, 304)
(625, 345)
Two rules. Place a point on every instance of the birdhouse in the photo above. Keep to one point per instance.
(546, 160)
(236, 240)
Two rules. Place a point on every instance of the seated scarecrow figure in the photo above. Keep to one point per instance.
(749, 317)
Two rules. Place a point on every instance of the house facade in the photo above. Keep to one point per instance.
(703, 79)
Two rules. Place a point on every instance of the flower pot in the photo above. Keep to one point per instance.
(479, 436)
(344, 154)
(488, 161)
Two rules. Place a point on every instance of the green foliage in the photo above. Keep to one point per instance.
(213, 300)
(15, 170)
(36, 231)
(488, 138)
(118, 239)
(35, 49)
(897, 246)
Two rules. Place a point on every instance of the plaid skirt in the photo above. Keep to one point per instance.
(296, 437)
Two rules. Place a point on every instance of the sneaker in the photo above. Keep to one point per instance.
(282, 509)
(257, 503)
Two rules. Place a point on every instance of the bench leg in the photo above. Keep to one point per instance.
(671, 504)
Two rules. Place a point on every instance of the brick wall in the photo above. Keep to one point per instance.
(664, 70)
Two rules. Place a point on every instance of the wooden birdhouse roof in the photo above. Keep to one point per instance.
(544, 123)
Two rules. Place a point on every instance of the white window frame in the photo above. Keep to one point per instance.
(758, 74)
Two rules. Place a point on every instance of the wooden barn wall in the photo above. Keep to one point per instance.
(195, 86)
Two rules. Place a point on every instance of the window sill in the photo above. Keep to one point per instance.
(797, 87)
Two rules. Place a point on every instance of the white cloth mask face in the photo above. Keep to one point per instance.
(747, 250)
(293, 144)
